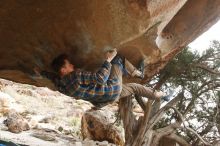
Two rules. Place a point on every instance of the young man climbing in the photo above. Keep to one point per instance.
(102, 86)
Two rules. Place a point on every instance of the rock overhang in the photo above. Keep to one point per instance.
(34, 32)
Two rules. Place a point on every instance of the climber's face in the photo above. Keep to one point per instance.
(66, 68)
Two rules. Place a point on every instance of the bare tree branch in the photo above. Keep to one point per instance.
(143, 125)
(205, 83)
(190, 106)
(160, 113)
(205, 67)
(188, 128)
(140, 102)
(155, 108)
(210, 88)
(129, 121)
(178, 139)
(159, 133)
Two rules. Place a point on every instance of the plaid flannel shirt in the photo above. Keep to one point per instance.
(93, 87)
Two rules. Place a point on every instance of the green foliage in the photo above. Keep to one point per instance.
(198, 76)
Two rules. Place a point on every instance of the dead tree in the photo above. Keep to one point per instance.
(139, 131)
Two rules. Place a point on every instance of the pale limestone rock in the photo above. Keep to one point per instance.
(44, 136)
(45, 110)
(78, 144)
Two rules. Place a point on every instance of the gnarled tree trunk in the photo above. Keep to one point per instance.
(139, 130)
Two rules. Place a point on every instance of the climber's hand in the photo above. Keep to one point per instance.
(110, 54)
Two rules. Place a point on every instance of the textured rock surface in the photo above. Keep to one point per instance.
(33, 32)
(98, 125)
(16, 123)
(49, 117)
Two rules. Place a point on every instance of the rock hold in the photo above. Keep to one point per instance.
(16, 123)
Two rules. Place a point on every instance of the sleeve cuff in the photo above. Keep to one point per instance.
(107, 64)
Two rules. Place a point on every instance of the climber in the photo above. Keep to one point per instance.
(103, 86)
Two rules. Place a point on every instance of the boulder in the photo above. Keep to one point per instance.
(16, 123)
(96, 125)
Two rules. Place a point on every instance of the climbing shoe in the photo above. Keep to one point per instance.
(168, 96)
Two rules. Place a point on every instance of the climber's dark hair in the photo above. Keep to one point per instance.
(58, 62)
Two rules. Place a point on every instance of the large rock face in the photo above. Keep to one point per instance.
(33, 32)
(34, 116)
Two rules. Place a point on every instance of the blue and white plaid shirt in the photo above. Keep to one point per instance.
(93, 87)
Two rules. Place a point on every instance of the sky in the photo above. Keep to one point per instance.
(203, 41)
